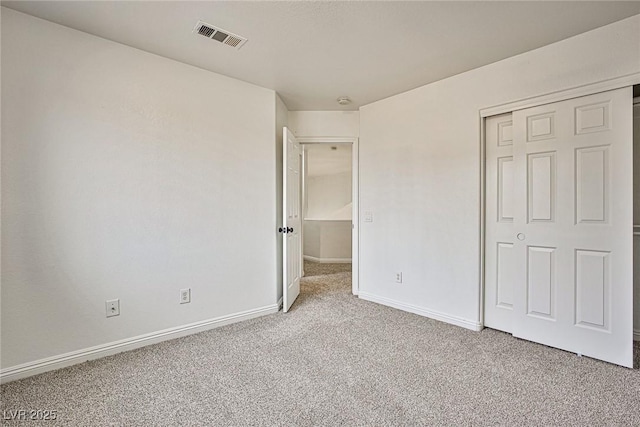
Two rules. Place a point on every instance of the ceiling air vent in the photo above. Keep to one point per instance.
(218, 34)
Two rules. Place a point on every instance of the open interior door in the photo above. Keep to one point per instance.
(291, 221)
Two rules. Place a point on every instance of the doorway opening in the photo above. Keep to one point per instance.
(328, 195)
(293, 195)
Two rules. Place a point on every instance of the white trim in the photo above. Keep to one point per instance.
(326, 140)
(355, 218)
(326, 220)
(562, 95)
(279, 303)
(355, 213)
(79, 356)
(482, 219)
(636, 334)
(328, 260)
(442, 317)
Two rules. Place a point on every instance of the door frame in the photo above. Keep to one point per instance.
(355, 197)
(534, 101)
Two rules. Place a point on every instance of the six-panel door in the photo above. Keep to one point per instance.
(292, 221)
(565, 258)
(499, 236)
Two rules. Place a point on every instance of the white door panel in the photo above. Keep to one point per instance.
(559, 201)
(499, 254)
(292, 223)
(574, 264)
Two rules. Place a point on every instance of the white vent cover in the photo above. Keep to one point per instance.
(218, 34)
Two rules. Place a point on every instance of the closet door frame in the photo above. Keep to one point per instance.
(547, 98)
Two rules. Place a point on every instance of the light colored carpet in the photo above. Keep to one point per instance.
(319, 269)
(336, 360)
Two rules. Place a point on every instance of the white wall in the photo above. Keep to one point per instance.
(420, 169)
(325, 123)
(123, 176)
(327, 195)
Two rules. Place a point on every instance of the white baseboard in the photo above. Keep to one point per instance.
(454, 320)
(72, 358)
(636, 334)
(328, 260)
(279, 304)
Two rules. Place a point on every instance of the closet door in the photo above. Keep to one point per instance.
(499, 252)
(572, 225)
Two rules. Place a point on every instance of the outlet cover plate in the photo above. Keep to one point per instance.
(113, 307)
(185, 296)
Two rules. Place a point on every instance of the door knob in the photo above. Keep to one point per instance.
(289, 229)
(521, 236)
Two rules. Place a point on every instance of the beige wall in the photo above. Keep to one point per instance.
(327, 241)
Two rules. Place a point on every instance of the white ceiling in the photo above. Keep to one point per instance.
(313, 52)
(323, 160)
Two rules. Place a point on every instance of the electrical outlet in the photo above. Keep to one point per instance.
(185, 296)
(399, 277)
(113, 307)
